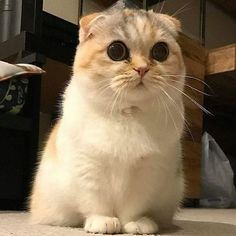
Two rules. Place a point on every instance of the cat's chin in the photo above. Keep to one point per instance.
(141, 89)
(141, 85)
(140, 94)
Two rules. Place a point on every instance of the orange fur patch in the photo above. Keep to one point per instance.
(87, 55)
(87, 19)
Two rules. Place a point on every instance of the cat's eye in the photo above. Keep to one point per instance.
(118, 51)
(160, 51)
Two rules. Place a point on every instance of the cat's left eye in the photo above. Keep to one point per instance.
(160, 51)
(118, 51)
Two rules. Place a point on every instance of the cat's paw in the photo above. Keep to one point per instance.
(102, 224)
(142, 226)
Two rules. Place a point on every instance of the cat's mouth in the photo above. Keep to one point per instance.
(140, 84)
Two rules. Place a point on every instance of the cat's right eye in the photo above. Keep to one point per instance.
(118, 51)
(160, 51)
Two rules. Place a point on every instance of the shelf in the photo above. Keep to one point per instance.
(27, 42)
(15, 122)
(222, 61)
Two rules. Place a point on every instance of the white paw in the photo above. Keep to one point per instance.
(102, 224)
(143, 226)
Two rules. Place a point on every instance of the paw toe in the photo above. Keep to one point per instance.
(102, 224)
(143, 226)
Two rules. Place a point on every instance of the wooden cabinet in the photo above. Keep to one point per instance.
(194, 57)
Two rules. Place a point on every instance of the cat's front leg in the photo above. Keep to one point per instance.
(135, 221)
(97, 209)
(143, 225)
(102, 224)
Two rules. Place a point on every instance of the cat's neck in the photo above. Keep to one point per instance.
(82, 99)
(79, 101)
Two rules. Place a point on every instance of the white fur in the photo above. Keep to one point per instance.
(118, 165)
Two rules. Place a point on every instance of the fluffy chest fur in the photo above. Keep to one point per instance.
(113, 162)
(129, 134)
(113, 156)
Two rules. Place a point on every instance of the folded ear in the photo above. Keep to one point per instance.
(175, 22)
(172, 23)
(86, 23)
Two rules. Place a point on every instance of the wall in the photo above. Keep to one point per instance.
(186, 11)
(65, 9)
(220, 27)
(91, 6)
(69, 9)
(218, 23)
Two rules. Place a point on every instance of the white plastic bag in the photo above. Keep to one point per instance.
(218, 188)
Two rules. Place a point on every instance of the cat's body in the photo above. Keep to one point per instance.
(114, 166)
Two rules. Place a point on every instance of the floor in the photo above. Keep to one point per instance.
(204, 222)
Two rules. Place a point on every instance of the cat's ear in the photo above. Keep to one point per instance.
(172, 23)
(175, 22)
(86, 24)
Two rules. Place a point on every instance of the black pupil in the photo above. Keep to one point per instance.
(160, 51)
(117, 51)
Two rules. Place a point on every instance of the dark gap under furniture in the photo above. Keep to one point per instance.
(53, 38)
(19, 145)
(221, 77)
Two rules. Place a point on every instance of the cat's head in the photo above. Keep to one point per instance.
(129, 55)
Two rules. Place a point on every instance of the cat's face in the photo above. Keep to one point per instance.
(129, 55)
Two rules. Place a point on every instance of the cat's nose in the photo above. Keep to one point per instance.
(141, 70)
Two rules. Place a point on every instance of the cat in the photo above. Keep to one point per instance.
(113, 161)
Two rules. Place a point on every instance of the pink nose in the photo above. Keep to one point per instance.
(141, 70)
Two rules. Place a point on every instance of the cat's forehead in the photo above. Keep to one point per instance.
(134, 26)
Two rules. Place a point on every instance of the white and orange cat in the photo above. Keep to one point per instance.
(113, 161)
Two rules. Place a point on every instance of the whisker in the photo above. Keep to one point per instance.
(162, 6)
(155, 9)
(156, 80)
(107, 109)
(191, 77)
(172, 100)
(117, 93)
(121, 77)
(121, 97)
(153, 104)
(171, 116)
(164, 110)
(192, 100)
(182, 115)
(118, 97)
(102, 89)
(103, 81)
(181, 8)
(102, 85)
(189, 86)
